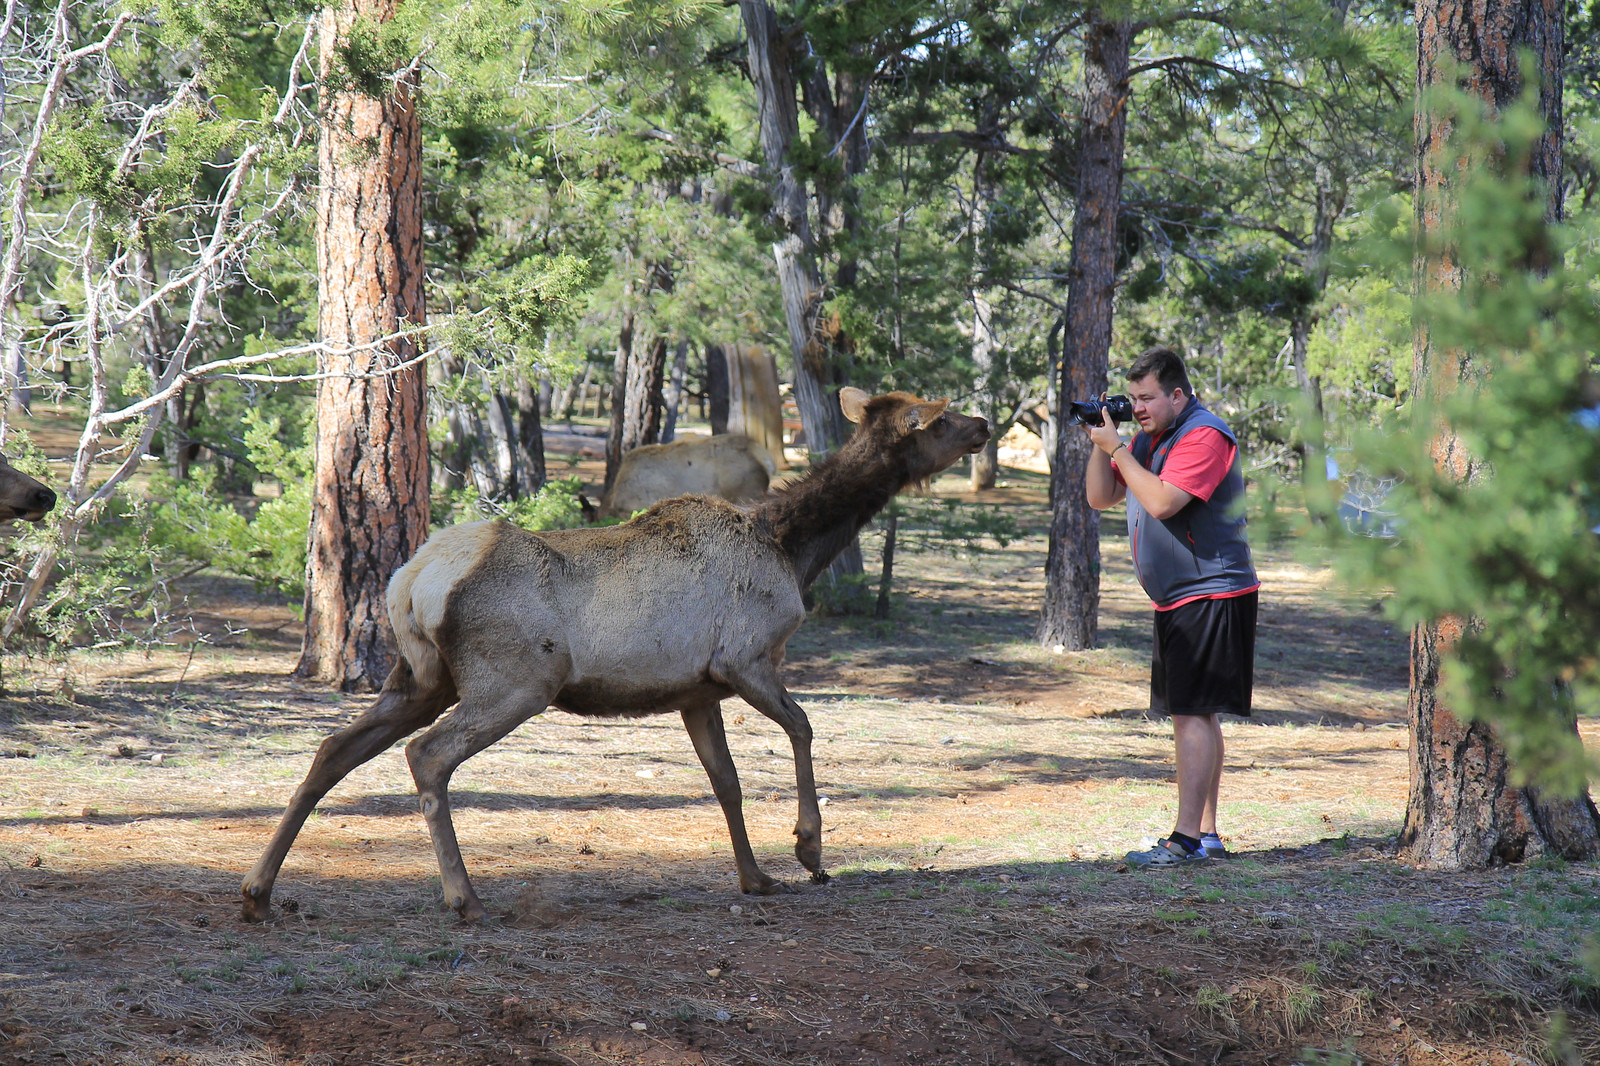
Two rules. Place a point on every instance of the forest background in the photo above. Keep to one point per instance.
(605, 199)
(287, 286)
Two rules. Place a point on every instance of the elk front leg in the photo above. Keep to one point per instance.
(757, 683)
(704, 724)
(397, 712)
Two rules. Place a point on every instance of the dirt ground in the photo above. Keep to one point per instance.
(981, 791)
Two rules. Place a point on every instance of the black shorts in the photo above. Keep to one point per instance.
(1204, 661)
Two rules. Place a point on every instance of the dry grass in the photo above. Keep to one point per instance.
(981, 792)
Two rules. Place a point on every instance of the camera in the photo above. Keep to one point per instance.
(1087, 412)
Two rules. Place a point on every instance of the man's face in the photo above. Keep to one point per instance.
(1155, 410)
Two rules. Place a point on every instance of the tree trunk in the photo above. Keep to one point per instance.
(755, 407)
(818, 345)
(646, 397)
(886, 576)
(186, 412)
(455, 451)
(1331, 196)
(1463, 812)
(799, 278)
(1070, 617)
(370, 501)
(986, 361)
(674, 393)
(636, 398)
(530, 438)
(619, 392)
(716, 384)
(501, 464)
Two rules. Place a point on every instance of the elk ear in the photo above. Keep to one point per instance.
(853, 402)
(922, 415)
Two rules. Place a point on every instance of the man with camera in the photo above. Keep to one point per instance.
(1185, 494)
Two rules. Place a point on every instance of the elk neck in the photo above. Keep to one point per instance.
(816, 517)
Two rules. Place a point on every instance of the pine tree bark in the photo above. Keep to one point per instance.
(636, 398)
(717, 387)
(646, 398)
(370, 504)
(673, 397)
(986, 362)
(1331, 198)
(799, 277)
(1463, 811)
(619, 391)
(1070, 617)
(755, 406)
(530, 438)
(817, 343)
(986, 356)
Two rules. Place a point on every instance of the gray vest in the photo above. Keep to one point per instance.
(1201, 550)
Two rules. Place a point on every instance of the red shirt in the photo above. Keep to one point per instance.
(1197, 463)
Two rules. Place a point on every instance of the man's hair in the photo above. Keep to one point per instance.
(1166, 365)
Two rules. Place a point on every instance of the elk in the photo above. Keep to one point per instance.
(685, 606)
(728, 466)
(21, 496)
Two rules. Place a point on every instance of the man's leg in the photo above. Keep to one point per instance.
(1208, 819)
(1199, 751)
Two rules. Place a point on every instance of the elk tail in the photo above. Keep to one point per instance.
(420, 668)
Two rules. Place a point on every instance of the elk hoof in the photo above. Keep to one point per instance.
(257, 906)
(469, 908)
(764, 887)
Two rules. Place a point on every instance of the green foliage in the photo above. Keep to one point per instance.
(555, 506)
(1361, 348)
(844, 594)
(199, 523)
(951, 525)
(112, 595)
(1498, 461)
(520, 304)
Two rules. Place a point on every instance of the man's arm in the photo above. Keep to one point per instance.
(1100, 482)
(1154, 495)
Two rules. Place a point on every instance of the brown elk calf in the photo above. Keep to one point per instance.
(21, 496)
(690, 603)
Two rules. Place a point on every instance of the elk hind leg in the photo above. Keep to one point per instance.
(400, 710)
(474, 725)
(704, 724)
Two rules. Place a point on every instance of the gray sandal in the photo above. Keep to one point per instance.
(1165, 854)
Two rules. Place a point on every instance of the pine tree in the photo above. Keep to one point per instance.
(1467, 805)
(370, 507)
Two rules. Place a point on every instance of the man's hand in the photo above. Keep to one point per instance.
(1105, 436)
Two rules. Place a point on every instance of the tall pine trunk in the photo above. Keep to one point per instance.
(1331, 198)
(1072, 570)
(986, 356)
(370, 499)
(1463, 810)
(636, 397)
(530, 437)
(816, 342)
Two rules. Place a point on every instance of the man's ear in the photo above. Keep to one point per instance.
(922, 415)
(853, 402)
